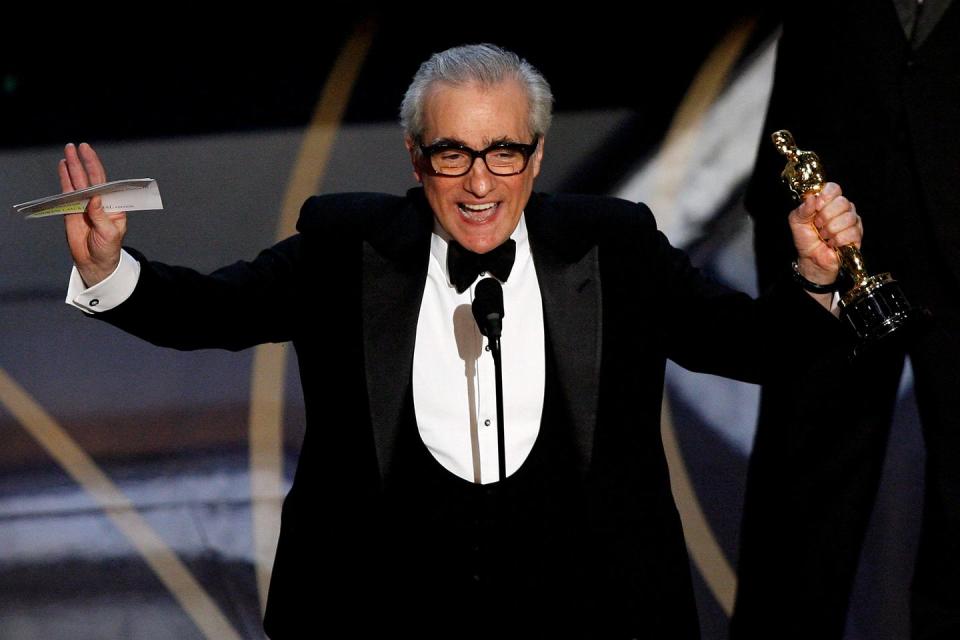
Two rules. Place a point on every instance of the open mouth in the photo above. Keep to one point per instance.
(478, 213)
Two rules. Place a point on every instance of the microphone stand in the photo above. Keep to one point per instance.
(498, 376)
(488, 312)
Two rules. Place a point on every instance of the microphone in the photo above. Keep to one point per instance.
(488, 312)
(488, 308)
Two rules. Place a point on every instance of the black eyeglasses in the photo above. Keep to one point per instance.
(453, 159)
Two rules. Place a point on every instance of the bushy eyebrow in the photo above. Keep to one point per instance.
(487, 144)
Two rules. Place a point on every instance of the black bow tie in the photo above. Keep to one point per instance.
(464, 266)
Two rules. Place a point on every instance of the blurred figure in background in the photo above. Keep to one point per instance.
(892, 138)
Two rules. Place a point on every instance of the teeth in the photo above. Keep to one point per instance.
(477, 212)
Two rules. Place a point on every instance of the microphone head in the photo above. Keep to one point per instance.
(488, 307)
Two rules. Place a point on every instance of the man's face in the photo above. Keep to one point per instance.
(479, 210)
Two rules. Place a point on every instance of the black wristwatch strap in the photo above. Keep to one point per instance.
(813, 287)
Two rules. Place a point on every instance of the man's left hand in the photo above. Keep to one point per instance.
(821, 225)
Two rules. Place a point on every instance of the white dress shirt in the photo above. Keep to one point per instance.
(454, 392)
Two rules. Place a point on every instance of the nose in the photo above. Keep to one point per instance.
(479, 181)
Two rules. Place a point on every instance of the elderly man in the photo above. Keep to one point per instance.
(396, 519)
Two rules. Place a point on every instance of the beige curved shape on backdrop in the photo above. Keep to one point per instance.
(78, 464)
(674, 155)
(268, 376)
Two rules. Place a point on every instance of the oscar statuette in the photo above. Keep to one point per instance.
(874, 306)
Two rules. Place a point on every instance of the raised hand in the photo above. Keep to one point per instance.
(821, 225)
(94, 236)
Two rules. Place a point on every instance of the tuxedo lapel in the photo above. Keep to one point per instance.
(395, 260)
(569, 277)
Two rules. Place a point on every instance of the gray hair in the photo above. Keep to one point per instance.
(485, 64)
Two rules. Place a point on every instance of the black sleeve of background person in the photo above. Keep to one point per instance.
(830, 90)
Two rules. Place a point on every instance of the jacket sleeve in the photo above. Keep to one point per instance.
(235, 307)
(707, 327)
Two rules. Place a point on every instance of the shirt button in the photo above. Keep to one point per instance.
(486, 422)
(94, 302)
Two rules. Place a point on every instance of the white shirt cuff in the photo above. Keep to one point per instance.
(107, 293)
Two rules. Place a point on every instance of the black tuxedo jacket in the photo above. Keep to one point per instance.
(618, 301)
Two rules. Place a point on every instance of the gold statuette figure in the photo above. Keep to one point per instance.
(875, 305)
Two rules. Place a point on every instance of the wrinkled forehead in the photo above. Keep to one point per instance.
(475, 114)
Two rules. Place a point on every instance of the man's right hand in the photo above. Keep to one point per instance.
(94, 236)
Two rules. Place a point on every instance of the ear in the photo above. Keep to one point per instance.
(537, 158)
(414, 153)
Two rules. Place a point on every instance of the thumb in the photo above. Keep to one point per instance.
(96, 215)
(806, 212)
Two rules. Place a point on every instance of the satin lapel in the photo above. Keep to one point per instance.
(570, 287)
(394, 275)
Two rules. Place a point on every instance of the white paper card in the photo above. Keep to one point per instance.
(136, 194)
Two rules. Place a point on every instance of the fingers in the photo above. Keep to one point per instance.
(822, 224)
(841, 229)
(91, 162)
(66, 184)
(79, 169)
(832, 206)
(830, 192)
(78, 175)
(83, 167)
(836, 220)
